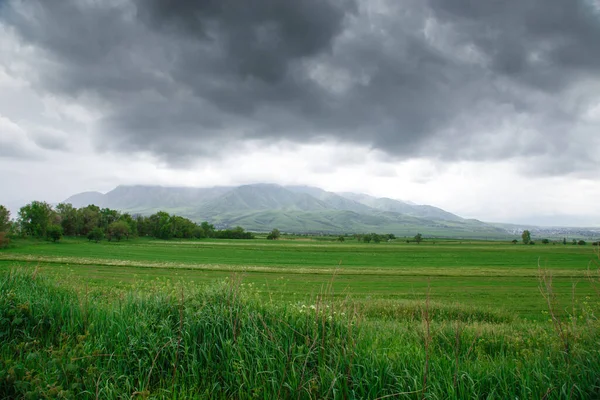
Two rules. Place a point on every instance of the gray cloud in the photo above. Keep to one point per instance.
(449, 79)
(49, 139)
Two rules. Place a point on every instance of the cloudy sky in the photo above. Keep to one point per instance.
(489, 109)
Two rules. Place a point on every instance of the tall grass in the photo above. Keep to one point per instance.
(173, 340)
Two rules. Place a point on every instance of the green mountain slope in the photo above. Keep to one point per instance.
(300, 209)
(398, 206)
(260, 197)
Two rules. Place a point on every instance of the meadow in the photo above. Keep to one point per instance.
(298, 319)
(489, 274)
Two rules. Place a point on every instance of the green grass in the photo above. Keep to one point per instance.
(444, 254)
(175, 339)
(297, 319)
(497, 275)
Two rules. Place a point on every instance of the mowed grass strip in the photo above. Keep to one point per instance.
(394, 255)
(298, 269)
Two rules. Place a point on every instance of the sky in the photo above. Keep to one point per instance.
(488, 109)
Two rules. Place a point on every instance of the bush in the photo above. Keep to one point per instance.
(96, 235)
(274, 235)
(118, 230)
(54, 233)
(236, 233)
(581, 243)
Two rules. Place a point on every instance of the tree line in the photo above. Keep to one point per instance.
(526, 238)
(41, 220)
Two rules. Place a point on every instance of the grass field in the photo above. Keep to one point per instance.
(300, 319)
(497, 275)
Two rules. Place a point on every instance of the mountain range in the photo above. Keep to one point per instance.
(298, 209)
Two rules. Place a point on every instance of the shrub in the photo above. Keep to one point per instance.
(274, 235)
(96, 235)
(581, 243)
(54, 233)
(118, 230)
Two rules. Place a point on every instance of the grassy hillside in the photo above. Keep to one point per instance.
(340, 221)
(300, 209)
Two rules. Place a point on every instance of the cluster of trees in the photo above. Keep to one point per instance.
(41, 220)
(526, 238)
(374, 237)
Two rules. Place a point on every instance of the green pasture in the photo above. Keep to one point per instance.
(495, 275)
(298, 319)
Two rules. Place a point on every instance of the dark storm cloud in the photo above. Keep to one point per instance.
(543, 43)
(451, 79)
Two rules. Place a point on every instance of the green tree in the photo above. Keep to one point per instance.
(274, 235)
(35, 218)
(54, 232)
(132, 222)
(367, 238)
(375, 238)
(107, 217)
(68, 218)
(514, 241)
(208, 229)
(564, 241)
(96, 235)
(418, 238)
(526, 236)
(160, 225)
(88, 218)
(143, 225)
(118, 230)
(545, 241)
(4, 219)
(236, 233)
(341, 238)
(181, 227)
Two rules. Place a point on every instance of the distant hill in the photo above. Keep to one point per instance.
(398, 206)
(86, 198)
(299, 209)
